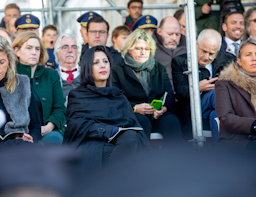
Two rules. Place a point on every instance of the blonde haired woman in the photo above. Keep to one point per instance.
(32, 55)
(143, 80)
(16, 100)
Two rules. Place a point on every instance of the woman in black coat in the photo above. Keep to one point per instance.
(96, 112)
(143, 80)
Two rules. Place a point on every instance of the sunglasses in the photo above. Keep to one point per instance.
(254, 20)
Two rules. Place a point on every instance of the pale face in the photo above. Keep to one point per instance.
(170, 33)
(248, 58)
(141, 51)
(11, 13)
(28, 29)
(234, 27)
(182, 25)
(29, 53)
(206, 52)
(69, 55)
(12, 28)
(4, 62)
(96, 39)
(100, 68)
(119, 41)
(135, 10)
(49, 38)
(253, 25)
(83, 32)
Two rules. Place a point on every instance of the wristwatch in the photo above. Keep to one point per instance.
(134, 108)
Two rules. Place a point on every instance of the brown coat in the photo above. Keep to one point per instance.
(235, 102)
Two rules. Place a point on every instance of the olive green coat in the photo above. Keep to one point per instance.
(46, 84)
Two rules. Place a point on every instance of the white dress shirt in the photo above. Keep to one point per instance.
(64, 75)
(230, 43)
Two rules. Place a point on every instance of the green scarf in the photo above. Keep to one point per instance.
(144, 70)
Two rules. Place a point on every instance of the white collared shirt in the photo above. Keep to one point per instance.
(230, 43)
(209, 67)
(64, 75)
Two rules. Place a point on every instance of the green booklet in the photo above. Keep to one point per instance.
(157, 104)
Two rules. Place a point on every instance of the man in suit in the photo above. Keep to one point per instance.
(97, 34)
(67, 51)
(210, 63)
(233, 27)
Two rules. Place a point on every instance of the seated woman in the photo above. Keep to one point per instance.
(32, 55)
(143, 80)
(235, 98)
(96, 112)
(16, 101)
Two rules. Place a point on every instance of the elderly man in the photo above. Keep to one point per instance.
(210, 63)
(97, 34)
(67, 52)
(170, 43)
(233, 27)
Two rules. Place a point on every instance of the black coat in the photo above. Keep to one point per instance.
(125, 78)
(227, 51)
(116, 56)
(180, 80)
(91, 114)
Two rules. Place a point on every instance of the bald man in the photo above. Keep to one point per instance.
(210, 64)
(170, 43)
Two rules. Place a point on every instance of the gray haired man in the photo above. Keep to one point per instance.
(67, 52)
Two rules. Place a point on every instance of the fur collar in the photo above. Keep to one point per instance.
(16, 105)
(233, 74)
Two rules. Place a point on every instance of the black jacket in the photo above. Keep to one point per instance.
(91, 114)
(180, 80)
(125, 78)
(227, 51)
(116, 56)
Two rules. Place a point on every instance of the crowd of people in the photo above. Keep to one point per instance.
(100, 99)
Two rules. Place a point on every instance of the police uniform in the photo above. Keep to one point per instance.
(27, 21)
(145, 22)
(84, 18)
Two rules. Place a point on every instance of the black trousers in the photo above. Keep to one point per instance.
(125, 145)
(168, 125)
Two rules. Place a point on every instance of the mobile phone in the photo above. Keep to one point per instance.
(157, 104)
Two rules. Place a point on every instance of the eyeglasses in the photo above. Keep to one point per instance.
(254, 20)
(66, 47)
(207, 56)
(138, 7)
(139, 49)
(94, 32)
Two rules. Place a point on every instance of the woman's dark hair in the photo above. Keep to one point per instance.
(87, 63)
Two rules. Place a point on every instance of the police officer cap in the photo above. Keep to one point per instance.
(84, 18)
(27, 21)
(145, 22)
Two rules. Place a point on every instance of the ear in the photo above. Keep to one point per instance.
(238, 61)
(224, 27)
(107, 35)
(128, 10)
(158, 30)
(17, 51)
(4, 18)
(114, 39)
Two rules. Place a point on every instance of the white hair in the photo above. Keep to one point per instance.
(57, 46)
(212, 37)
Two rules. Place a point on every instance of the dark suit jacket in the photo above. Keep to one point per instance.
(180, 80)
(116, 56)
(125, 78)
(227, 51)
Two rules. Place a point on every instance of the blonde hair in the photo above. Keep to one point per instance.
(24, 37)
(11, 76)
(138, 34)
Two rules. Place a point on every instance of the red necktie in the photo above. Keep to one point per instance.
(70, 74)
